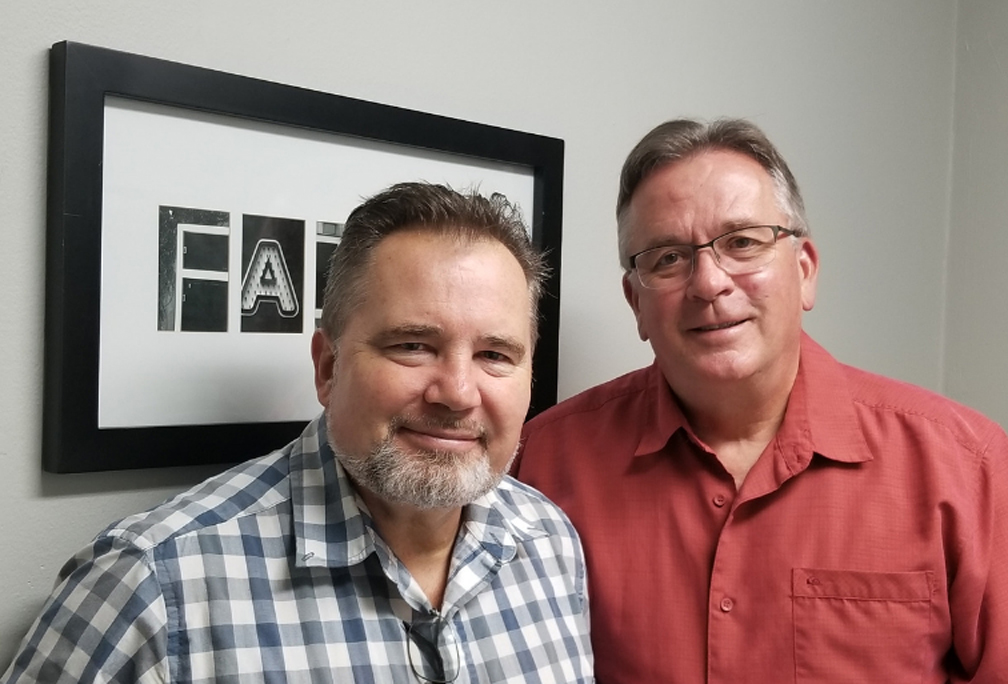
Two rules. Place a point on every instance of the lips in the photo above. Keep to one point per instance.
(439, 429)
(717, 326)
(441, 434)
(441, 444)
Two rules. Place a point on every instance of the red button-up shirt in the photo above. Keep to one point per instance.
(869, 542)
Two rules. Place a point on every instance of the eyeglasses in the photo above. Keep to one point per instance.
(438, 658)
(737, 252)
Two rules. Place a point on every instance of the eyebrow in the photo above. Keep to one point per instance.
(506, 343)
(726, 227)
(509, 344)
(409, 330)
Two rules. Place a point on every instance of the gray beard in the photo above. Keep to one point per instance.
(424, 479)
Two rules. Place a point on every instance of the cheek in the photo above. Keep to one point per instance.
(506, 433)
(507, 405)
(659, 314)
(778, 298)
(769, 289)
(361, 406)
(360, 395)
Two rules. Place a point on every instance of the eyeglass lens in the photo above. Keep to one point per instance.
(737, 252)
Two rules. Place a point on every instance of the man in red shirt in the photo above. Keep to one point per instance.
(752, 510)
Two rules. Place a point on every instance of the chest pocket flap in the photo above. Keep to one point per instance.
(856, 626)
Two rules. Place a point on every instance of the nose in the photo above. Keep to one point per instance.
(708, 280)
(454, 384)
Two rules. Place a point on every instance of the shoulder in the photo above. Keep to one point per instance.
(892, 414)
(881, 401)
(131, 576)
(244, 490)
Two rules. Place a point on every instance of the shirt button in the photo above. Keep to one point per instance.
(727, 604)
(720, 500)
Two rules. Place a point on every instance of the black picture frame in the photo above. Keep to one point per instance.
(82, 77)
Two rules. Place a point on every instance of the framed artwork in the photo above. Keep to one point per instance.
(191, 215)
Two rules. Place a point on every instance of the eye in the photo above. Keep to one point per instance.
(669, 258)
(740, 242)
(496, 356)
(407, 351)
(743, 242)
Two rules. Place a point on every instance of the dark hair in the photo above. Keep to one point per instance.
(675, 140)
(466, 216)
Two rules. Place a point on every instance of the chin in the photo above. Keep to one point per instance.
(725, 367)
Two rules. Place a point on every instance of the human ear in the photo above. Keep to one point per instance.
(324, 360)
(808, 266)
(633, 299)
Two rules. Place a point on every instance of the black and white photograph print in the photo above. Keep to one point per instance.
(193, 250)
(224, 227)
(327, 237)
(192, 215)
(272, 274)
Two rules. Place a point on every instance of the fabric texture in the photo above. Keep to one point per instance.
(869, 542)
(273, 572)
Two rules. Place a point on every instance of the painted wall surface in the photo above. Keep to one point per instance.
(976, 365)
(858, 95)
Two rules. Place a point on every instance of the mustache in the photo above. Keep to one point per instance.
(434, 422)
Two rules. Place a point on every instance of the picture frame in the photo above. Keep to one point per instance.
(190, 214)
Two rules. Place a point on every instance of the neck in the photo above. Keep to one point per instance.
(737, 443)
(422, 540)
(737, 420)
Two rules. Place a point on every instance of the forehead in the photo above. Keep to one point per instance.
(425, 276)
(704, 194)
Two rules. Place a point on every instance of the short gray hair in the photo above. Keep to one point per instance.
(679, 139)
(466, 216)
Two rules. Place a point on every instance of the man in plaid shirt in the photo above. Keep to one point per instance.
(383, 545)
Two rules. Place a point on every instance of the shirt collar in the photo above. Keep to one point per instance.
(822, 407)
(498, 524)
(662, 409)
(333, 528)
(820, 416)
(330, 529)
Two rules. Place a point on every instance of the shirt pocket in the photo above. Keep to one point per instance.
(853, 626)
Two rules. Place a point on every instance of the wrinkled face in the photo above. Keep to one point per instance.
(718, 327)
(427, 389)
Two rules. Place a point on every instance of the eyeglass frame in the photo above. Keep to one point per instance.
(695, 250)
(443, 624)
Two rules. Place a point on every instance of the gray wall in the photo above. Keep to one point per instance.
(859, 95)
(976, 329)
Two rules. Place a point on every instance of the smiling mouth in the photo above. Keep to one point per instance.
(719, 326)
(446, 436)
(445, 430)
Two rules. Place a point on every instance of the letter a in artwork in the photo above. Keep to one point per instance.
(268, 280)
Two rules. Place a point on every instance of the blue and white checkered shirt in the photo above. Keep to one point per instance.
(273, 572)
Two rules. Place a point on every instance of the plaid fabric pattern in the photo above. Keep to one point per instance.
(273, 572)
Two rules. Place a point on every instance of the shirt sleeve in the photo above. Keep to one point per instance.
(104, 622)
(978, 593)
